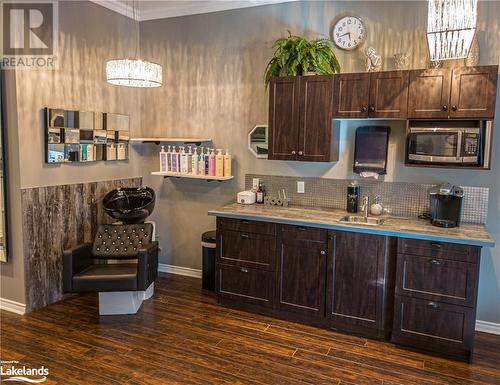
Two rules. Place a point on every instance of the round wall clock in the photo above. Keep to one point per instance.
(349, 32)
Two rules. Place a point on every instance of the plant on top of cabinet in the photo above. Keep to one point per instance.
(295, 55)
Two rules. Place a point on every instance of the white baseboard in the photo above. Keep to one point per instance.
(179, 270)
(12, 306)
(488, 327)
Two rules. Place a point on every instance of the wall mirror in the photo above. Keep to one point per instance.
(3, 176)
(85, 136)
(258, 141)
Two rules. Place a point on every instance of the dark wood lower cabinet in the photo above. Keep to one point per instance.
(301, 280)
(415, 293)
(359, 283)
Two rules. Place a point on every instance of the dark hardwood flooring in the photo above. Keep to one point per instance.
(181, 336)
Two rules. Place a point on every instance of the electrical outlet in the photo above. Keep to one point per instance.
(301, 188)
(255, 183)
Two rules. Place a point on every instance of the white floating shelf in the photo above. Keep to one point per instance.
(191, 176)
(170, 140)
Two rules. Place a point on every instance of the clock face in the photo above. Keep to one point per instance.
(349, 32)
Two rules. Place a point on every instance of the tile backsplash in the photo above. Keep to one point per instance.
(403, 199)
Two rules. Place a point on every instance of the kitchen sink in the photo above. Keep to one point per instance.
(360, 220)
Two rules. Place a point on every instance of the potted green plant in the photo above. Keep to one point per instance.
(295, 55)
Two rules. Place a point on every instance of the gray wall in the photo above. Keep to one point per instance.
(213, 87)
(89, 35)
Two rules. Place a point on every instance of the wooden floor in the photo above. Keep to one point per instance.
(182, 336)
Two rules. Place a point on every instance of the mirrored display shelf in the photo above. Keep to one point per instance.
(85, 136)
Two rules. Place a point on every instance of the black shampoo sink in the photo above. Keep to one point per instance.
(130, 204)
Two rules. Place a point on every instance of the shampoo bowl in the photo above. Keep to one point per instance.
(130, 204)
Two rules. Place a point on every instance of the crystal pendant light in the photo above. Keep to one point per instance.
(134, 72)
(451, 25)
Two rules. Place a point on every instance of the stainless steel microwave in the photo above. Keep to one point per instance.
(466, 146)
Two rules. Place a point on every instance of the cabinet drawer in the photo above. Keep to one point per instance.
(246, 285)
(433, 325)
(248, 250)
(248, 226)
(437, 279)
(302, 233)
(454, 251)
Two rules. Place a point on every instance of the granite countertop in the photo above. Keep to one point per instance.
(415, 228)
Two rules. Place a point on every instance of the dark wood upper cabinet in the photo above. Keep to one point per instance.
(315, 116)
(284, 118)
(359, 268)
(473, 92)
(388, 94)
(302, 277)
(300, 119)
(351, 95)
(429, 93)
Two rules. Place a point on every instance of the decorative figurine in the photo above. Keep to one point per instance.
(402, 60)
(373, 61)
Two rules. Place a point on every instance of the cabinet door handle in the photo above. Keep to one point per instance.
(244, 236)
(445, 108)
(371, 109)
(434, 305)
(301, 228)
(323, 252)
(245, 222)
(301, 153)
(436, 244)
(363, 109)
(435, 262)
(454, 108)
(244, 270)
(294, 152)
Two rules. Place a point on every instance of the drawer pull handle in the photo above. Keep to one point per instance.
(301, 228)
(243, 270)
(434, 305)
(245, 222)
(435, 262)
(436, 244)
(244, 236)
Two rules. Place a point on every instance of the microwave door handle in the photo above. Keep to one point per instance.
(459, 145)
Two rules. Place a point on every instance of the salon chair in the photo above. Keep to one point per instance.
(121, 265)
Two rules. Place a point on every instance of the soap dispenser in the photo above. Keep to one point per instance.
(163, 159)
(201, 162)
(227, 164)
(211, 163)
(219, 163)
(194, 162)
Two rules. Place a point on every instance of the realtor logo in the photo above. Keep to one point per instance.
(29, 35)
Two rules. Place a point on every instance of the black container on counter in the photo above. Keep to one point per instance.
(353, 192)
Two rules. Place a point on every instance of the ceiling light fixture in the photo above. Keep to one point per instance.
(451, 25)
(134, 72)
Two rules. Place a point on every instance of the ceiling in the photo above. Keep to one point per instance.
(161, 9)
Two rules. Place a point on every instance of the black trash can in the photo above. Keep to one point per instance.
(208, 245)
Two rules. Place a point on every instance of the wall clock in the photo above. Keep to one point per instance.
(349, 32)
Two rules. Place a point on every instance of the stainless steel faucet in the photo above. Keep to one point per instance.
(365, 205)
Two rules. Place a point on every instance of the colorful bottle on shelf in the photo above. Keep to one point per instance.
(163, 159)
(227, 164)
(211, 163)
(219, 163)
(194, 162)
(169, 158)
(206, 158)
(183, 161)
(189, 160)
(175, 160)
(201, 162)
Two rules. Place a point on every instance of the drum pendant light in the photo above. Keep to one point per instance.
(134, 72)
(451, 25)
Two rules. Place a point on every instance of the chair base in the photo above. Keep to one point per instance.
(123, 302)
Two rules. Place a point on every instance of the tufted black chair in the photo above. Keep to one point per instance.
(81, 273)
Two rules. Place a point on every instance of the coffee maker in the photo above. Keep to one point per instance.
(446, 205)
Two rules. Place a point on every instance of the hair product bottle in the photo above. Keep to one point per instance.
(219, 163)
(227, 164)
(163, 159)
(211, 163)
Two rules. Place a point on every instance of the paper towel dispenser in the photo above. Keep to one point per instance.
(370, 149)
